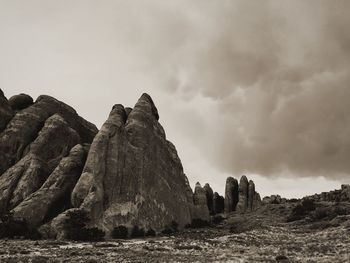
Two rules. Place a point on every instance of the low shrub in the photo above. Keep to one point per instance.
(198, 223)
(150, 233)
(11, 227)
(120, 232)
(217, 220)
(301, 210)
(137, 232)
(75, 226)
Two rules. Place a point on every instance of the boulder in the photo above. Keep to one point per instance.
(231, 194)
(6, 112)
(243, 195)
(133, 175)
(209, 194)
(200, 203)
(53, 196)
(218, 203)
(20, 101)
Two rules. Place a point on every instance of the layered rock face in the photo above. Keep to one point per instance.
(133, 175)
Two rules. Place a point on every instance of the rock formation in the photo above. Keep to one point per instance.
(210, 195)
(231, 194)
(27, 123)
(274, 199)
(218, 203)
(200, 203)
(243, 195)
(54, 163)
(133, 175)
(339, 195)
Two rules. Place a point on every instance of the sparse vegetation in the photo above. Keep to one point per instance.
(301, 210)
(11, 227)
(76, 227)
(120, 232)
(137, 232)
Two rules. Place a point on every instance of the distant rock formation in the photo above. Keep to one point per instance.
(274, 199)
(340, 195)
(200, 203)
(210, 196)
(218, 203)
(231, 194)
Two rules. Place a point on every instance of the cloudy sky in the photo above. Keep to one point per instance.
(260, 88)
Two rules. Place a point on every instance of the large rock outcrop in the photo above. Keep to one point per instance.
(231, 194)
(27, 123)
(133, 175)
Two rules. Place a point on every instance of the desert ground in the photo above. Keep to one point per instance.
(263, 235)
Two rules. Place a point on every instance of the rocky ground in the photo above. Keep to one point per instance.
(260, 236)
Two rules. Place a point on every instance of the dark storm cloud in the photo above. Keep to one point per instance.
(278, 73)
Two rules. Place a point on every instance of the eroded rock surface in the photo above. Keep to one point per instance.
(53, 196)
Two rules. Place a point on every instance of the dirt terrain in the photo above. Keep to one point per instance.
(260, 236)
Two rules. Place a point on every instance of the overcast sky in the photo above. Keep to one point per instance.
(242, 87)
